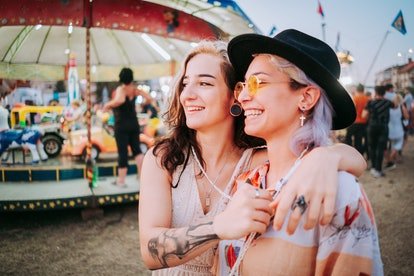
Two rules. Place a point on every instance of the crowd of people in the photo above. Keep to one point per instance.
(384, 121)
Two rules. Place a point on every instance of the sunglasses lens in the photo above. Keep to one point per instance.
(238, 89)
(253, 85)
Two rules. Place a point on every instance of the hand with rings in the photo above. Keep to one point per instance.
(257, 193)
(312, 188)
(301, 204)
(249, 211)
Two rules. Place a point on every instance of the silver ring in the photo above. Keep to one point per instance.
(257, 193)
(301, 203)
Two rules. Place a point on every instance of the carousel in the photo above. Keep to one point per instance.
(43, 165)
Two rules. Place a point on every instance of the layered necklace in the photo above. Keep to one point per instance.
(279, 185)
(211, 182)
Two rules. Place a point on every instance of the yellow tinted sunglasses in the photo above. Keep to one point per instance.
(253, 83)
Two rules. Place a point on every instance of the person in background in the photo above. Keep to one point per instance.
(151, 127)
(126, 123)
(378, 113)
(150, 108)
(6, 87)
(4, 124)
(408, 102)
(187, 177)
(74, 116)
(389, 92)
(356, 134)
(408, 99)
(31, 117)
(396, 131)
(292, 98)
(4, 112)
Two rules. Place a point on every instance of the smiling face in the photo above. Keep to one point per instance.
(274, 108)
(205, 97)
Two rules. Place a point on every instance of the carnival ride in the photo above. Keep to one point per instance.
(103, 139)
(151, 37)
(49, 124)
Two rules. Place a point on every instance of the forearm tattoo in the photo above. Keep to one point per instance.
(177, 243)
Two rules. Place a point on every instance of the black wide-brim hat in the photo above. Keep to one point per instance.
(313, 56)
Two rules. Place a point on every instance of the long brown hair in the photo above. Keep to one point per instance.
(175, 146)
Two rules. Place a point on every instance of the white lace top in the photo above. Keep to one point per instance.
(187, 210)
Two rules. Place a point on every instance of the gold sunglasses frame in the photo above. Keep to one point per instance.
(253, 83)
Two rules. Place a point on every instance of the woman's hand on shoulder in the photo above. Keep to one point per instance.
(316, 180)
(248, 211)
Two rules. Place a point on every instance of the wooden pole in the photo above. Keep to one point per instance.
(87, 25)
(88, 93)
(323, 31)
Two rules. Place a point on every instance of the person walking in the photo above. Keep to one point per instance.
(126, 123)
(378, 113)
(356, 134)
(396, 131)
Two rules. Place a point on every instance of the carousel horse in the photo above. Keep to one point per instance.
(28, 138)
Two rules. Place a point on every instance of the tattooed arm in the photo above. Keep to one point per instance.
(176, 246)
(161, 245)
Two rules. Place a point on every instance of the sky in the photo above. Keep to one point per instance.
(362, 25)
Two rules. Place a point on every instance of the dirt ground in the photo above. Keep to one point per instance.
(61, 243)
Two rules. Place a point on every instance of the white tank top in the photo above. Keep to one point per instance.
(187, 210)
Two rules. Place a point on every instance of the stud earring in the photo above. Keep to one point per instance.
(236, 109)
(302, 117)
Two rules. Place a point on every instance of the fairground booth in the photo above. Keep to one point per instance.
(59, 63)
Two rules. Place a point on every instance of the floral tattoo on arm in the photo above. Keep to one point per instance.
(178, 243)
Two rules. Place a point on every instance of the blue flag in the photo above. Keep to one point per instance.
(272, 31)
(398, 23)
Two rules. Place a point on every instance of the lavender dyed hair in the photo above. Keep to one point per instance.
(316, 130)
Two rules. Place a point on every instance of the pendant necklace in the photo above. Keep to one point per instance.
(212, 183)
(208, 199)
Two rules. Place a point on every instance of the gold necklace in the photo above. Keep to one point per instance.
(208, 194)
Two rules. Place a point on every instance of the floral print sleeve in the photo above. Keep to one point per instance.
(349, 244)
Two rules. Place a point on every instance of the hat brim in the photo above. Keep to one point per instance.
(242, 48)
